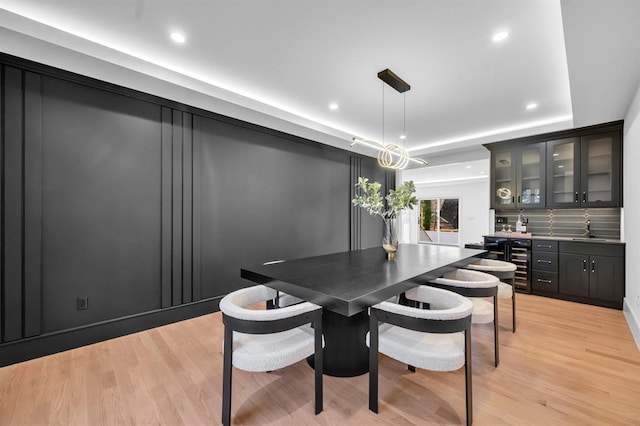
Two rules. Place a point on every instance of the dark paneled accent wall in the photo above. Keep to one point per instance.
(147, 209)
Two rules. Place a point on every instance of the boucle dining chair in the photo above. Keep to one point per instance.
(477, 286)
(263, 340)
(436, 339)
(505, 272)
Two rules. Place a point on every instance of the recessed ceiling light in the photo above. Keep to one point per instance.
(556, 155)
(499, 36)
(483, 173)
(333, 106)
(403, 137)
(532, 105)
(468, 167)
(178, 37)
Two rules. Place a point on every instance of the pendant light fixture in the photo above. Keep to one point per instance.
(392, 156)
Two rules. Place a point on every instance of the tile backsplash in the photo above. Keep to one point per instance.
(605, 222)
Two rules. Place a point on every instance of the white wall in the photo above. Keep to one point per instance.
(473, 204)
(631, 225)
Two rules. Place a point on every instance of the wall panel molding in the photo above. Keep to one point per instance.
(12, 205)
(187, 207)
(176, 208)
(355, 223)
(33, 205)
(2, 114)
(196, 209)
(166, 208)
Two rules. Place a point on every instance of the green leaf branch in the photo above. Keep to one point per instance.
(397, 200)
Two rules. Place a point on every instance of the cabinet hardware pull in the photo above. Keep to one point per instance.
(584, 265)
(513, 199)
(593, 266)
(577, 200)
(544, 261)
(544, 281)
(584, 197)
(541, 246)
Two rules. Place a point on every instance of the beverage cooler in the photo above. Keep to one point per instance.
(520, 255)
(497, 247)
(516, 251)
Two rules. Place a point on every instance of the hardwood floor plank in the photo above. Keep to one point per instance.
(567, 364)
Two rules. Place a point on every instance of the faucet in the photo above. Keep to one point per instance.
(588, 234)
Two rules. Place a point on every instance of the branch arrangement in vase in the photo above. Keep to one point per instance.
(397, 200)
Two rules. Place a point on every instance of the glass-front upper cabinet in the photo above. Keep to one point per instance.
(503, 179)
(563, 158)
(518, 179)
(600, 173)
(531, 176)
(584, 172)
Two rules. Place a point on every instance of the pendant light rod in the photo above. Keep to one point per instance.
(392, 156)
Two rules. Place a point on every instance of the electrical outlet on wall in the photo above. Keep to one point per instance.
(82, 303)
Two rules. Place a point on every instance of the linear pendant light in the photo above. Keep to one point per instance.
(391, 156)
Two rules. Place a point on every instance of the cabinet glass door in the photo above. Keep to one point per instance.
(504, 182)
(563, 180)
(600, 182)
(531, 176)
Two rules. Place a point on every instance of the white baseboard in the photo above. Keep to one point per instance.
(633, 320)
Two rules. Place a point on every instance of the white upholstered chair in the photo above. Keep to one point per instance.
(505, 272)
(477, 286)
(269, 339)
(437, 338)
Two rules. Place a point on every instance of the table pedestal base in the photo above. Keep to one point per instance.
(345, 352)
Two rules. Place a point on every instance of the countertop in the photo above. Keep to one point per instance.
(520, 236)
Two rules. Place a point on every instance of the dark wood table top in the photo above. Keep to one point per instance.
(350, 282)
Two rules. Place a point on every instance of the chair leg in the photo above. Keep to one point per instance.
(411, 368)
(495, 330)
(318, 364)
(513, 303)
(226, 376)
(468, 376)
(373, 364)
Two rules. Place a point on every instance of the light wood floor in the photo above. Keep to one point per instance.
(567, 364)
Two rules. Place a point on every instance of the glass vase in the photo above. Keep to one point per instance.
(390, 237)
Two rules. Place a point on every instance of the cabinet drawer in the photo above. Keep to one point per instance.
(602, 249)
(544, 261)
(544, 245)
(546, 281)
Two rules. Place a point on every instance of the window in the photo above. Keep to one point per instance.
(438, 221)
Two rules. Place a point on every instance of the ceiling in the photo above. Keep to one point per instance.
(281, 63)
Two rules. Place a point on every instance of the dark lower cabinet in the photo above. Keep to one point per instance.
(544, 267)
(574, 274)
(544, 281)
(592, 273)
(606, 279)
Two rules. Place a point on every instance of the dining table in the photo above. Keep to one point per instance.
(346, 284)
